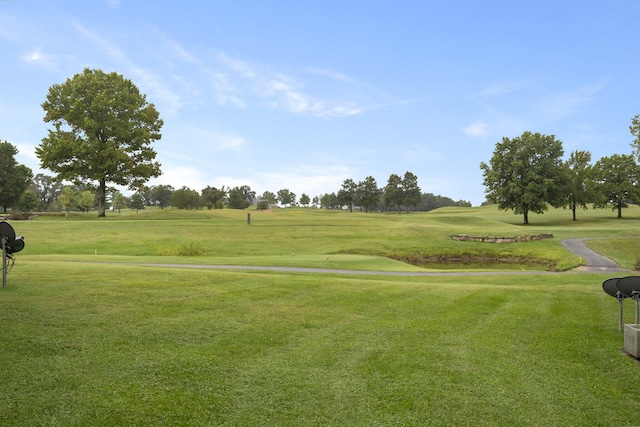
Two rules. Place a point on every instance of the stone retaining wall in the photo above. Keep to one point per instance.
(498, 239)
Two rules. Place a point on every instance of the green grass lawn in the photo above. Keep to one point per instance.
(86, 342)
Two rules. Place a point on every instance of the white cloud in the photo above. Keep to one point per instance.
(40, 59)
(309, 179)
(476, 129)
(179, 176)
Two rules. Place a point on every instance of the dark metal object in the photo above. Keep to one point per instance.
(630, 287)
(10, 245)
(611, 288)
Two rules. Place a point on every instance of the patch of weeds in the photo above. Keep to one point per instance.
(164, 252)
(190, 249)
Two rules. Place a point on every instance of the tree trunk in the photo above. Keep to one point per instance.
(526, 217)
(102, 195)
(574, 213)
(619, 211)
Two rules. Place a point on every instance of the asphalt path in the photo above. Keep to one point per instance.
(595, 263)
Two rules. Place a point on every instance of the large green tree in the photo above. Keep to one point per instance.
(368, 193)
(102, 130)
(214, 198)
(393, 192)
(14, 177)
(161, 195)
(402, 191)
(526, 174)
(347, 194)
(411, 191)
(305, 200)
(286, 197)
(617, 179)
(185, 198)
(269, 197)
(46, 189)
(236, 199)
(579, 177)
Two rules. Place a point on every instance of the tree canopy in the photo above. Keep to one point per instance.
(14, 177)
(617, 178)
(526, 174)
(579, 174)
(102, 130)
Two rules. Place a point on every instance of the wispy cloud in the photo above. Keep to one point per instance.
(112, 3)
(159, 91)
(239, 81)
(331, 74)
(562, 104)
(500, 89)
(188, 176)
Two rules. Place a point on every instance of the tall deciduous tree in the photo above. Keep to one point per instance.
(526, 174)
(214, 198)
(161, 195)
(617, 179)
(579, 174)
(286, 197)
(46, 189)
(185, 198)
(103, 128)
(236, 199)
(136, 201)
(269, 197)
(85, 200)
(305, 200)
(14, 177)
(329, 201)
(28, 201)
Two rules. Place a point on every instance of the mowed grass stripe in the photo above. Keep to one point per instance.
(87, 344)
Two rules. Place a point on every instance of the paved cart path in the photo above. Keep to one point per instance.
(596, 263)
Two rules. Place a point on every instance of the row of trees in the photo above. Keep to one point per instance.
(45, 193)
(527, 174)
(400, 193)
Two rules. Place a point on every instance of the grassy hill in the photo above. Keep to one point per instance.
(306, 237)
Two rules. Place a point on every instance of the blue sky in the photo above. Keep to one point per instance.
(303, 95)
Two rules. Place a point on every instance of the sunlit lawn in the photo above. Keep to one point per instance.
(89, 342)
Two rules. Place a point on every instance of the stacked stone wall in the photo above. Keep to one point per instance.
(501, 239)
